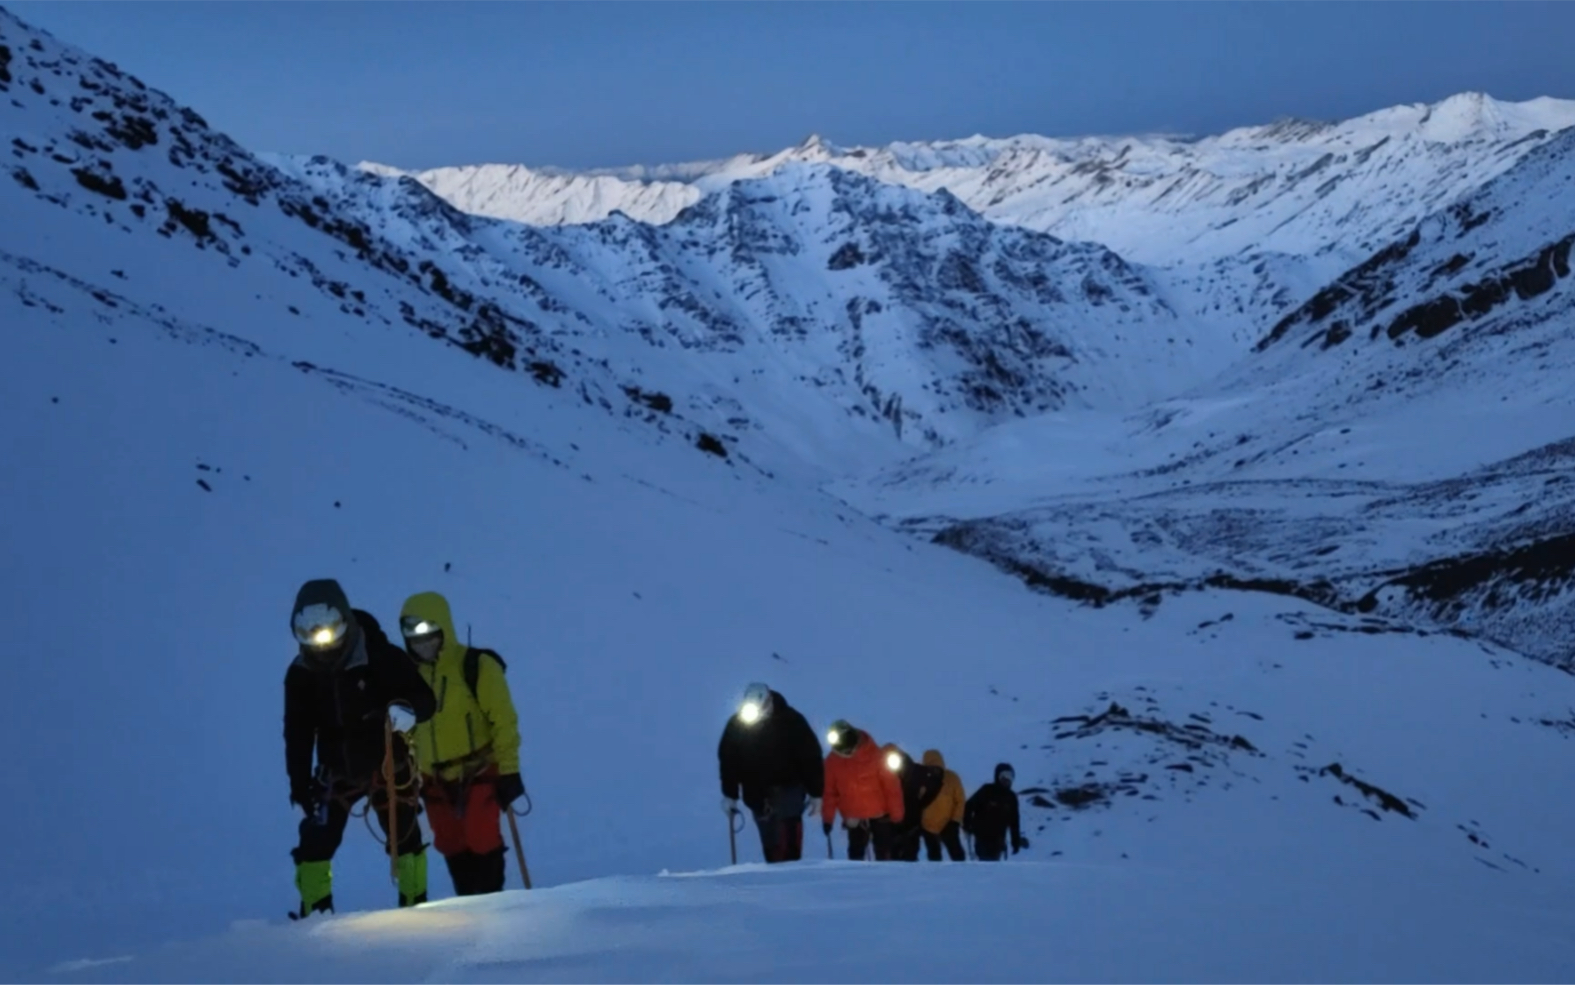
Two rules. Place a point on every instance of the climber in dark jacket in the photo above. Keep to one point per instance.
(921, 784)
(991, 814)
(338, 693)
(770, 756)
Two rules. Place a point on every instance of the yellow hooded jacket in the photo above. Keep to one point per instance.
(468, 730)
(948, 806)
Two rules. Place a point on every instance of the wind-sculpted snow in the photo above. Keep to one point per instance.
(1293, 737)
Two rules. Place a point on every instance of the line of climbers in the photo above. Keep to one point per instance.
(455, 748)
(771, 760)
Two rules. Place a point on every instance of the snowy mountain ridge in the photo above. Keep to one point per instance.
(1246, 224)
(606, 445)
(898, 309)
(1157, 200)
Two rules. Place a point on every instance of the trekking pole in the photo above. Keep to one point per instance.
(732, 836)
(519, 849)
(388, 781)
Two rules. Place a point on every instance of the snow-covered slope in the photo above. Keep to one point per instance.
(812, 295)
(1400, 445)
(225, 379)
(814, 315)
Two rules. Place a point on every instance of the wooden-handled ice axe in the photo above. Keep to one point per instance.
(519, 849)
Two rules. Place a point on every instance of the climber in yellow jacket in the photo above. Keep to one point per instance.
(943, 819)
(469, 751)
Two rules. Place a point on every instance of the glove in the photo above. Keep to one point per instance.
(508, 789)
(729, 806)
(826, 827)
(1019, 844)
(813, 808)
(403, 718)
(304, 796)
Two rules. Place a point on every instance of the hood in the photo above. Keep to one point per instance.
(434, 608)
(933, 757)
(322, 591)
(327, 591)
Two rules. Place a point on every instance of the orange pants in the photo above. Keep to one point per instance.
(469, 825)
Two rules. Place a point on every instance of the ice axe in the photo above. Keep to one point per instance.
(519, 849)
(732, 835)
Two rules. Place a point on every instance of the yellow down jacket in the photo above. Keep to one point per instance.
(948, 806)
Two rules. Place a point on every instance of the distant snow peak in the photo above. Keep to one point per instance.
(371, 167)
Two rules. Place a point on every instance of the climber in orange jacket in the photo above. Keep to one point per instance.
(868, 794)
(943, 818)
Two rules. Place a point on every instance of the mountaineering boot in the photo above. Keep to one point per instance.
(413, 878)
(315, 882)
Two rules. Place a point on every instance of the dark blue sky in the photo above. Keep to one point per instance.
(594, 84)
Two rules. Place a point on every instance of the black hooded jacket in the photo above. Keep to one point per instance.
(921, 784)
(992, 811)
(780, 750)
(339, 710)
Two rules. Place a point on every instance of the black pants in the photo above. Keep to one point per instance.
(990, 846)
(321, 834)
(905, 843)
(950, 836)
(475, 874)
(864, 834)
(781, 823)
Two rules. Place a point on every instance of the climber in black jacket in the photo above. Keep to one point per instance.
(770, 756)
(991, 814)
(338, 693)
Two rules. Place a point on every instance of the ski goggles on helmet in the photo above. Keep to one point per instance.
(319, 627)
(842, 737)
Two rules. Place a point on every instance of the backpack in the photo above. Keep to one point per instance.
(473, 657)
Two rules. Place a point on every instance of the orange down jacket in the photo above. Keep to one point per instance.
(861, 786)
(948, 806)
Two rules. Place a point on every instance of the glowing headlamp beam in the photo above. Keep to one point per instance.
(323, 636)
(893, 762)
(750, 713)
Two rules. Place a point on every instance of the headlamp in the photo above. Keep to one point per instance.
(894, 762)
(319, 627)
(833, 737)
(415, 626)
(750, 713)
